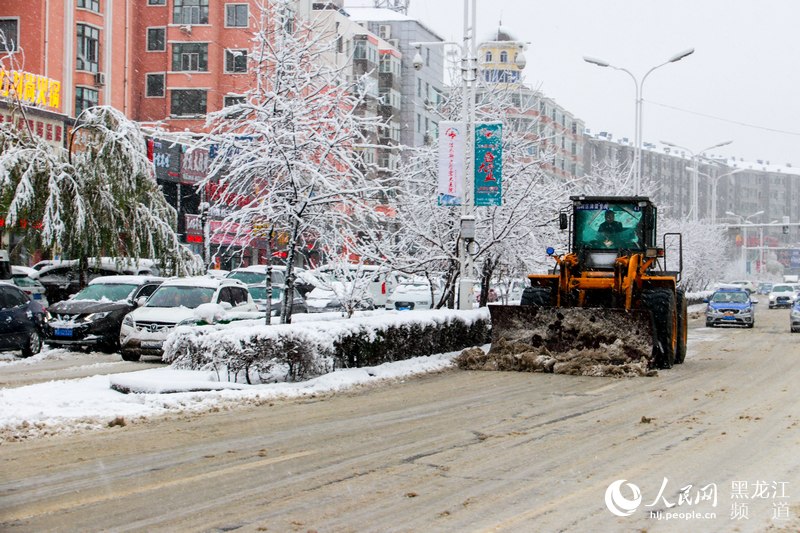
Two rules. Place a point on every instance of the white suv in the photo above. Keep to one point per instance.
(174, 302)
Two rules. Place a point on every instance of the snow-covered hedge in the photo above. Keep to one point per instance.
(313, 348)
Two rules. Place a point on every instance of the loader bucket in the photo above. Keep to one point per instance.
(553, 331)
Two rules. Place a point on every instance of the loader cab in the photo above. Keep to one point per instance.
(603, 228)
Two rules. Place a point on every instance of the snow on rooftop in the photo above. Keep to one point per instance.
(375, 14)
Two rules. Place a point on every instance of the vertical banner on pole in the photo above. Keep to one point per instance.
(452, 144)
(488, 164)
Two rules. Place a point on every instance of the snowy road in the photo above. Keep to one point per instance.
(453, 451)
(57, 363)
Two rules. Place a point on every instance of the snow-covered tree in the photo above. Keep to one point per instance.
(121, 212)
(508, 237)
(288, 155)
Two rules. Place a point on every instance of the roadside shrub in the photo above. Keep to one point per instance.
(310, 349)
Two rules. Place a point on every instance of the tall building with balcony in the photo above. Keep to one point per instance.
(372, 65)
(415, 92)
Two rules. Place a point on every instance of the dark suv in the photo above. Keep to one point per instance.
(20, 321)
(93, 316)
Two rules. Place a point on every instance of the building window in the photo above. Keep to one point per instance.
(156, 39)
(155, 86)
(190, 57)
(504, 57)
(190, 12)
(360, 50)
(235, 61)
(236, 15)
(84, 99)
(228, 101)
(187, 102)
(156, 2)
(93, 5)
(9, 35)
(488, 57)
(233, 100)
(88, 48)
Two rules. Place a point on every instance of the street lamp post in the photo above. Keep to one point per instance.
(695, 201)
(469, 76)
(744, 222)
(639, 85)
(714, 182)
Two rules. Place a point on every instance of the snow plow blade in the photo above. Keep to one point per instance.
(615, 336)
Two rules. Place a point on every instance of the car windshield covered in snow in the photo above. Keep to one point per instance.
(180, 296)
(106, 291)
(604, 226)
(739, 297)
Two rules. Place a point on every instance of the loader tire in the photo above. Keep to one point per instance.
(683, 326)
(538, 296)
(661, 304)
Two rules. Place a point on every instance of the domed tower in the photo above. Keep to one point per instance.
(500, 57)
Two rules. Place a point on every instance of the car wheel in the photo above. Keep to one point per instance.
(129, 356)
(33, 345)
(108, 346)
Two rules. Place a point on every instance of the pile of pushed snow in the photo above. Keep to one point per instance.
(605, 360)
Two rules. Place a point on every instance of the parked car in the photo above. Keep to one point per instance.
(782, 295)
(367, 286)
(730, 307)
(415, 294)
(257, 274)
(748, 285)
(25, 279)
(21, 321)
(259, 295)
(61, 279)
(172, 304)
(794, 317)
(93, 317)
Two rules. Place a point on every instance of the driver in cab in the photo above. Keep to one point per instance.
(609, 227)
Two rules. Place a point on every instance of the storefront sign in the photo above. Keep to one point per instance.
(194, 165)
(29, 88)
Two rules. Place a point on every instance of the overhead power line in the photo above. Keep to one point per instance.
(721, 119)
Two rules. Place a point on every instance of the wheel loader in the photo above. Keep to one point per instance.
(611, 286)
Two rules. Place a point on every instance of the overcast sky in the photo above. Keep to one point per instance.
(741, 84)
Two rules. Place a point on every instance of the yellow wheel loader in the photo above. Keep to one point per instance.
(611, 287)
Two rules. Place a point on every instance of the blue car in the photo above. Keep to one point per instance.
(794, 317)
(730, 307)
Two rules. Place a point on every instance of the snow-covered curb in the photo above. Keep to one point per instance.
(69, 406)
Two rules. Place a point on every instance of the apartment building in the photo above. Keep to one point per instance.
(419, 91)
(557, 133)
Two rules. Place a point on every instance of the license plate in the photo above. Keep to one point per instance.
(728, 317)
(151, 345)
(63, 332)
(37, 296)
